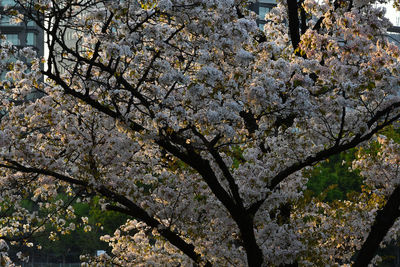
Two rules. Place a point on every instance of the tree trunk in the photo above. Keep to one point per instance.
(383, 221)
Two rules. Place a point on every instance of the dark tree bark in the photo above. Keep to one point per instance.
(294, 25)
(384, 220)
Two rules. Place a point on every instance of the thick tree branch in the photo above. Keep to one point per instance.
(131, 208)
(137, 212)
(294, 26)
(384, 220)
(225, 170)
(19, 167)
(303, 16)
(242, 219)
(336, 149)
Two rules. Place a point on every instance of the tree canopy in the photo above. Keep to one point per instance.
(202, 129)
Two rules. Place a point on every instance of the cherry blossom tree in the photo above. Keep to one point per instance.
(185, 116)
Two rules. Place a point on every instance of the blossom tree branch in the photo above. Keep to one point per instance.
(384, 220)
(130, 209)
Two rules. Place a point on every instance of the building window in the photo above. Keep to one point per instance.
(262, 11)
(13, 38)
(31, 23)
(31, 38)
(4, 21)
(7, 2)
(262, 7)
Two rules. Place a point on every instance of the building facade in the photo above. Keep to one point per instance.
(262, 7)
(23, 34)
